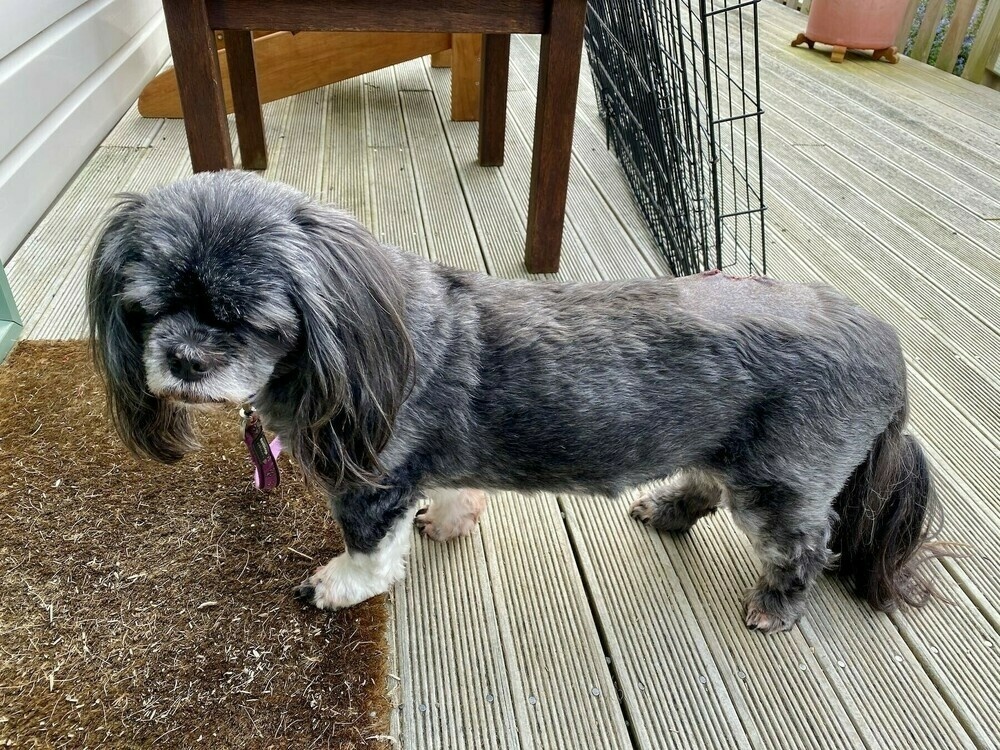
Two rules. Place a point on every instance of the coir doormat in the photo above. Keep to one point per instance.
(144, 605)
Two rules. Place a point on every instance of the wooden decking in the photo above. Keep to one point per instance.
(561, 623)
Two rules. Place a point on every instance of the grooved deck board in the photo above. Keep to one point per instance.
(781, 679)
(554, 654)
(906, 110)
(964, 518)
(886, 173)
(952, 349)
(825, 232)
(294, 129)
(347, 176)
(961, 653)
(936, 149)
(876, 662)
(552, 685)
(133, 131)
(39, 267)
(817, 115)
(657, 645)
(455, 689)
(450, 234)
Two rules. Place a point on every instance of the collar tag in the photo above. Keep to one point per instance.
(263, 455)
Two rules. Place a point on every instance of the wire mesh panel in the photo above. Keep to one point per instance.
(678, 88)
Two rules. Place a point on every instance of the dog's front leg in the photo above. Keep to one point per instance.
(377, 524)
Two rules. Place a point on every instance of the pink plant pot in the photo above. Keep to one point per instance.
(856, 24)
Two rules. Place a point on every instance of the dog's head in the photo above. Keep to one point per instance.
(224, 287)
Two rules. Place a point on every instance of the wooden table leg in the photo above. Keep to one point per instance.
(466, 52)
(493, 99)
(192, 44)
(246, 98)
(558, 78)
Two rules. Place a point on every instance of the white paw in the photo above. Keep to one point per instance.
(341, 583)
(451, 514)
(352, 577)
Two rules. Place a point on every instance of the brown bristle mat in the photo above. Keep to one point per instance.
(144, 605)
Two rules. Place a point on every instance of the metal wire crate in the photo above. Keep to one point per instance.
(678, 88)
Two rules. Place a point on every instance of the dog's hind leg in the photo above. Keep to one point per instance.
(451, 513)
(791, 535)
(677, 505)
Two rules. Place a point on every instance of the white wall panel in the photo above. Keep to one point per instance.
(71, 70)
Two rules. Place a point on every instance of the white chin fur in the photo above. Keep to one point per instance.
(220, 388)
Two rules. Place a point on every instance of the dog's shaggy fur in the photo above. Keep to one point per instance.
(388, 376)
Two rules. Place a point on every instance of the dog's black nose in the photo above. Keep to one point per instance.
(187, 367)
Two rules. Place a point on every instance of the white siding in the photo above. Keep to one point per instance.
(69, 69)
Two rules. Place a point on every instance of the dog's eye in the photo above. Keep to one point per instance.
(246, 330)
(133, 309)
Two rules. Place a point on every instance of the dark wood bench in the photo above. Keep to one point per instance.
(191, 23)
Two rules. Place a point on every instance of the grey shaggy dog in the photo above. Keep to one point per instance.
(388, 377)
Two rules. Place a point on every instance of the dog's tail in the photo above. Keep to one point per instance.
(888, 518)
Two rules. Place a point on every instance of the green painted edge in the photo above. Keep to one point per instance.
(10, 322)
(9, 333)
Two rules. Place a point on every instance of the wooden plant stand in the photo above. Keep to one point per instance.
(889, 54)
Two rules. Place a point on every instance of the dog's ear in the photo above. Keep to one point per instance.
(355, 357)
(148, 425)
